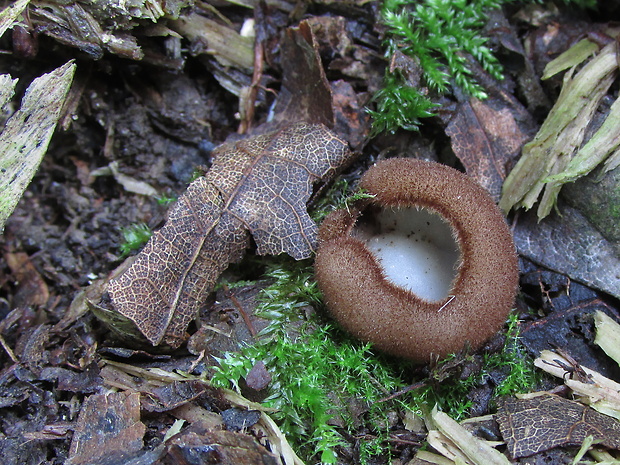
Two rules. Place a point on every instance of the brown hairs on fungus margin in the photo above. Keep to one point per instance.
(394, 319)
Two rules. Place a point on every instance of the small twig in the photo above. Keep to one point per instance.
(391, 439)
(404, 391)
(195, 363)
(244, 314)
(259, 61)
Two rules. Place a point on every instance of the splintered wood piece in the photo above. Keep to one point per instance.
(27, 133)
(560, 137)
(10, 13)
(259, 186)
(541, 423)
(108, 426)
(607, 335)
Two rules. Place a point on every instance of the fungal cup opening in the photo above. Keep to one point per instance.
(415, 248)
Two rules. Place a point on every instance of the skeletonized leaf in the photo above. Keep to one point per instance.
(258, 186)
(533, 425)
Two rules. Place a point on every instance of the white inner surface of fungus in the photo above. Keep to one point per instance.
(416, 250)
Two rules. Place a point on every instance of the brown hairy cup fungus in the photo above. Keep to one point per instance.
(426, 267)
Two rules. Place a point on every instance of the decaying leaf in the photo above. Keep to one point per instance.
(485, 137)
(220, 447)
(533, 425)
(570, 245)
(32, 290)
(305, 95)
(152, 382)
(309, 96)
(258, 186)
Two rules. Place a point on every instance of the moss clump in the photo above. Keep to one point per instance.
(518, 375)
(399, 106)
(165, 199)
(340, 195)
(521, 375)
(317, 370)
(440, 36)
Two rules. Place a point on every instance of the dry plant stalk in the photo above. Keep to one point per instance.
(459, 445)
(607, 335)
(597, 391)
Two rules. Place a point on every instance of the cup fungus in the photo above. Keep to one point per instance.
(426, 267)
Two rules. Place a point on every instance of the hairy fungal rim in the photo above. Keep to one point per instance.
(394, 319)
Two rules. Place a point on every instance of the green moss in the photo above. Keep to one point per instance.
(399, 106)
(134, 237)
(340, 195)
(165, 199)
(318, 372)
(316, 368)
(334, 196)
(438, 35)
(614, 211)
(521, 375)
